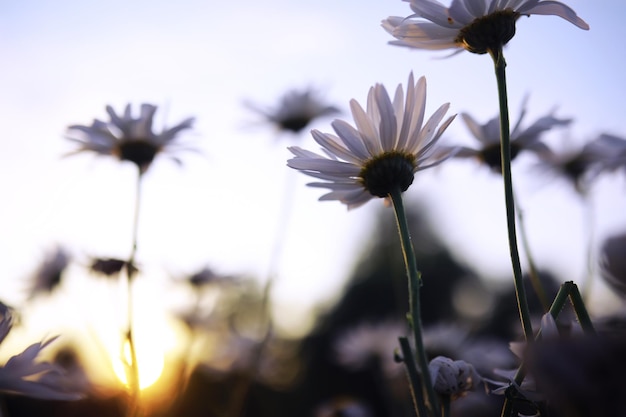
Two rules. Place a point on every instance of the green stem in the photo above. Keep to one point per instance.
(133, 377)
(414, 282)
(414, 378)
(505, 149)
(579, 308)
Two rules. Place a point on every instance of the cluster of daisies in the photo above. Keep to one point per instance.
(392, 138)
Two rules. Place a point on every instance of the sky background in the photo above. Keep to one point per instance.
(64, 61)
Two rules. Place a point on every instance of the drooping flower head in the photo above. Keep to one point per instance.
(479, 26)
(381, 155)
(454, 378)
(295, 110)
(128, 138)
(522, 139)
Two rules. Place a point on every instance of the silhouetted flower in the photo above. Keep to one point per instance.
(50, 272)
(580, 376)
(128, 138)
(576, 165)
(206, 276)
(22, 375)
(382, 154)
(295, 110)
(110, 267)
(521, 139)
(478, 26)
(613, 263)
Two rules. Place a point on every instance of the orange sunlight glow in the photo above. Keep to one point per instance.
(154, 339)
(150, 361)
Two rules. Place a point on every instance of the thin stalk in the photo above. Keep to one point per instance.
(532, 266)
(579, 308)
(133, 368)
(237, 407)
(414, 282)
(505, 149)
(414, 377)
(589, 224)
(445, 405)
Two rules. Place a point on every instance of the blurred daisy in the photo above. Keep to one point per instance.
(478, 26)
(128, 138)
(521, 139)
(22, 375)
(613, 263)
(455, 342)
(611, 151)
(50, 272)
(382, 154)
(207, 276)
(577, 165)
(358, 347)
(109, 267)
(296, 109)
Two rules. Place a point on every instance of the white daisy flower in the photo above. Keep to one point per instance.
(23, 375)
(382, 154)
(488, 135)
(128, 138)
(478, 26)
(296, 109)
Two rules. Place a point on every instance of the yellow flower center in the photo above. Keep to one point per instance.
(388, 172)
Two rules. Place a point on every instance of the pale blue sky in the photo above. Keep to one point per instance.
(65, 60)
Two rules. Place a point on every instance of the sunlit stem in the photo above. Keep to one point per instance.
(132, 367)
(505, 149)
(568, 290)
(414, 282)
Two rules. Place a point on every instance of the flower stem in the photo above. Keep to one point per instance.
(133, 368)
(505, 149)
(414, 281)
(532, 266)
(415, 382)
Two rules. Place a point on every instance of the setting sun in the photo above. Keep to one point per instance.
(150, 361)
